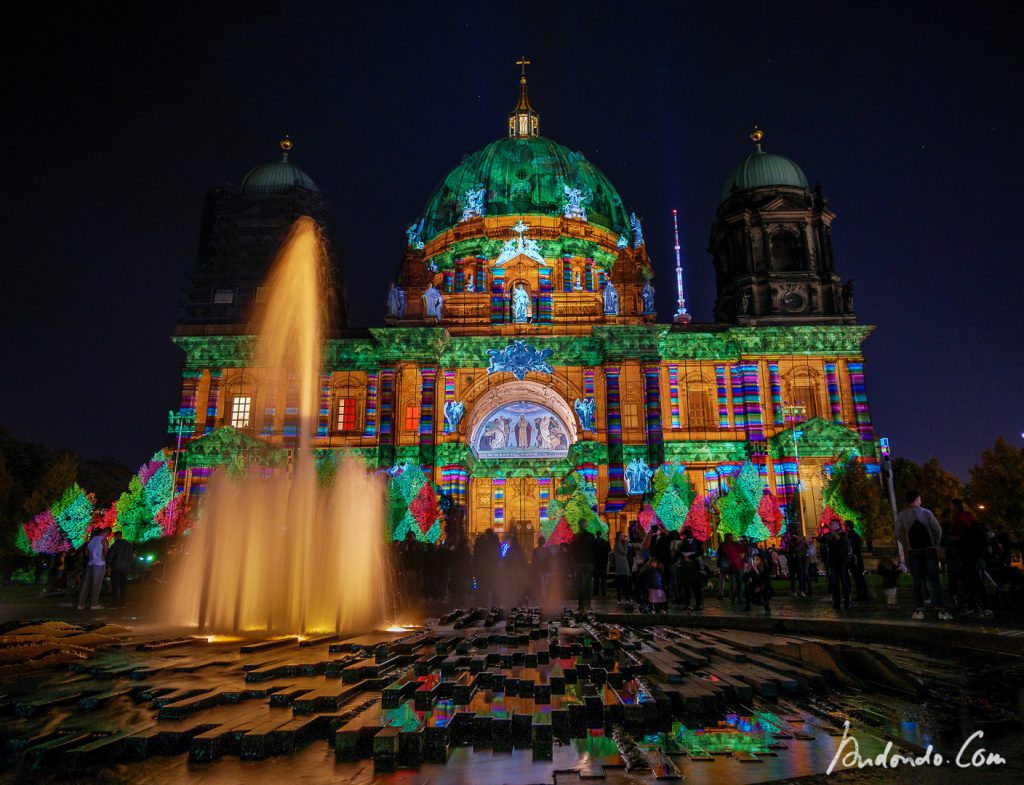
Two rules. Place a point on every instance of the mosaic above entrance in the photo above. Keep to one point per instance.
(522, 429)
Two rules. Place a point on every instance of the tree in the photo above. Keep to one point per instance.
(73, 513)
(61, 475)
(997, 486)
(863, 495)
(574, 508)
(135, 519)
(738, 508)
(771, 515)
(936, 486)
(697, 518)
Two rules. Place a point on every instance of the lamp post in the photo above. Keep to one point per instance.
(794, 413)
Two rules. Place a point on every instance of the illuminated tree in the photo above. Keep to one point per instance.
(697, 518)
(73, 513)
(135, 518)
(573, 509)
(413, 505)
(768, 510)
(738, 508)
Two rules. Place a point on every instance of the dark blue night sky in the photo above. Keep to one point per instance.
(910, 116)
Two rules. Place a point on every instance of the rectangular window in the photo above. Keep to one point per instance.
(223, 296)
(630, 415)
(346, 415)
(698, 408)
(412, 417)
(241, 408)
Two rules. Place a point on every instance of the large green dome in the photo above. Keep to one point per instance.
(277, 177)
(524, 176)
(761, 169)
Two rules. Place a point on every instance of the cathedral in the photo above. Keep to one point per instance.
(521, 342)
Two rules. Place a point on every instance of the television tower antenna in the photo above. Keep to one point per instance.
(681, 316)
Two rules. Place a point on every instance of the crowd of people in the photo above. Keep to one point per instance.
(649, 569)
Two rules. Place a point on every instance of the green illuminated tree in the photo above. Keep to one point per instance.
(738, 508)
(73, 514)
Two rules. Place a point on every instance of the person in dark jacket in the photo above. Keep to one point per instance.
(757, 585)
(583, 566)
(690, 552)
(119, 560)
(856, 561)
(838, 564)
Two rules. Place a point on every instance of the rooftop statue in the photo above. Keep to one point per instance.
(647, 295)
(622, 242)
(433, 302)
(414, 233)
(474, 206)
(574, 199)
(611, 299)
(638, 232)
(520, 245)
(396, 302)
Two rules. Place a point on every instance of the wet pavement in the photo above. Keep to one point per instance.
(489, 696)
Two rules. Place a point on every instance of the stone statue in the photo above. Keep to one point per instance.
(638, 232)
(745, 304)
(520, 304)
(622, 242)
(396, 302)
(470, 280)
(638, 477)
(453, 411)
(573, 207)
(647, 295)
(848, 297)
(414, 233)
(611, 300)
(474, 206)
(578, 283)
(585, 410)
(433, 301)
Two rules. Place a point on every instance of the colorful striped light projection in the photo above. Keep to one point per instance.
(427, 376)
(372, 381)
(673, 394)
(324, 412)
(213, 399)
(832, 383)
(776, 387)
(545, 309)
(498, 295)
(860, 401)
(723, 397)
(739, 406)
(387, 405)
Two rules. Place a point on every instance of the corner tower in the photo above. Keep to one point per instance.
(772, 247)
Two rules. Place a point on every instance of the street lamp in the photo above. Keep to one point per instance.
(796, 413)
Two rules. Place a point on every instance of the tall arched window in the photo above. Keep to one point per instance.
(786, 256)
(803, 391)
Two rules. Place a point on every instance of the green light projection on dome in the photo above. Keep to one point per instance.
(524, 176)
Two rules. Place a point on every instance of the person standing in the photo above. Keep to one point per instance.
(601, 551)
(119, 560)
(890, 572)
(856, 561)
(622, 567)
(796, 557)
(838, 564)
(919, 533)
(94, 571)
(583, 564)
(731, 553)
(691, 550)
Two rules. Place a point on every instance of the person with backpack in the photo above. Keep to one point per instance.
(918, 531)
(839, 558)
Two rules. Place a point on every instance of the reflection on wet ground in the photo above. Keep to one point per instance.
(478, 696)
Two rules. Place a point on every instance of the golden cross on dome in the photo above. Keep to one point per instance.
(523, 62)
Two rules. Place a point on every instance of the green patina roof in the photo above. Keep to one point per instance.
(764, 169)
(524, 176)
(277, 177)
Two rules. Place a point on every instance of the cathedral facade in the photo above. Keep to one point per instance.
(521, 342)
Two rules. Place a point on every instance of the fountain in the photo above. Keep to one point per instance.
(278, 550)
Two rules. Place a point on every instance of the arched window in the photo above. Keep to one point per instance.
(786, 256)
(803, 391)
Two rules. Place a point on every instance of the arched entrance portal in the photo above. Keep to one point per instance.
(517, 433)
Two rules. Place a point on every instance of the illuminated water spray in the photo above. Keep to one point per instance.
(681, 316)
(278, 550)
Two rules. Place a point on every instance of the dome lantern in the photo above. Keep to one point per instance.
(523, 121)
